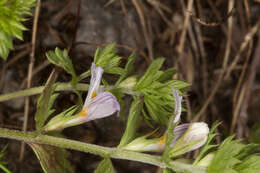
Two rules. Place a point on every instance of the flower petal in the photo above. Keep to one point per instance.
(101, 106)
(96, 75)
(197, 132)
(179, 131)
(177, 109)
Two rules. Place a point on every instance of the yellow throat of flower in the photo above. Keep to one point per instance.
(84, 110)
(162, 140)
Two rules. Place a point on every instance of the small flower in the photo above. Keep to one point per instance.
(97, 105)
(187, 137)
(191, 137)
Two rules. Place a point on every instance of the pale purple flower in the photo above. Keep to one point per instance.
(98, 104)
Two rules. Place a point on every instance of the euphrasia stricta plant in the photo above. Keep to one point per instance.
(156, 100)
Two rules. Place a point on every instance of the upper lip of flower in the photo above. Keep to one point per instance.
(96, 75)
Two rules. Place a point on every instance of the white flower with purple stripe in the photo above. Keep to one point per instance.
(98, 104)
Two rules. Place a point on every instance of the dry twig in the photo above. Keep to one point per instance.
(30, 69)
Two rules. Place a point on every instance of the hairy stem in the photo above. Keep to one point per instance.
(60, 87)
(97, 150)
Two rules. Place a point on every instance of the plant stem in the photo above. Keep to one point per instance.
(60, 87)
(97, 150)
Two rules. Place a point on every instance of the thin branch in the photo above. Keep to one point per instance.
(148, 38)
(184, 29)
(30, 69)
(249, 36)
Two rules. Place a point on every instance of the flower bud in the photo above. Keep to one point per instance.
(195, 137)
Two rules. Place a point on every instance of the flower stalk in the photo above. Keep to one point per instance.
(116, 153)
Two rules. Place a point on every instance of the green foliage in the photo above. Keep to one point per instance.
(234, 157)
(45, 102)
(12, 14)
(105, 167)
(61, 59)
(250, 164)
(52, 159)
(155, 85)
(108, 60)
(225, 158)
(133, 122)
(129, 67)
(2, 163)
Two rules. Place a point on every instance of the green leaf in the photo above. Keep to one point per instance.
(12, 14)
(105, 167)
(45, 102)
(52, 159)
(249, 165)
(61, 59)
(167, 75)
(129, 67)
(150, 73)
(108, 60)
(225, 158)
(5, 45)
(133, 122)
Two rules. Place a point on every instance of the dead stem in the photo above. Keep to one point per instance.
(30, 69)
(139, 8)
(180, 46)
(249, 36)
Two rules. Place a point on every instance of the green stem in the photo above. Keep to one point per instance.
(60, 87)
(97, 150)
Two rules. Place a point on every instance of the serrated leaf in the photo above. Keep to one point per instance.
(128, 68)
(45, 102)
(133, 122)
(108, 60)
(61, 59)
(148, 77)
(105, 166)
(249, 165)
(12, 13)
(5, 46)
(52, 159)
(225, 158)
